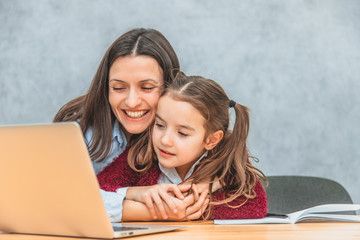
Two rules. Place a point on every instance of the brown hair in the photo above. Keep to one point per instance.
(229, 162)
(93, 109)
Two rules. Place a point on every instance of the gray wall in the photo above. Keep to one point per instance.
(296, 64)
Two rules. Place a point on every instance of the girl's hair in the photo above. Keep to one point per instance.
(229, 162)
(93, 109)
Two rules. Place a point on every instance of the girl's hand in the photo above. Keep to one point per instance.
(191, 207)
(158, 195)
(196, 210)
(200, 187)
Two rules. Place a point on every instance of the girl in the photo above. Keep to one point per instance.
(191, 143)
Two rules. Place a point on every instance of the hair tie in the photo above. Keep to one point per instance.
(232, 104)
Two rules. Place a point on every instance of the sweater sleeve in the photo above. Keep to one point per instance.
(117, 175)
(253, 208)
(151, 177)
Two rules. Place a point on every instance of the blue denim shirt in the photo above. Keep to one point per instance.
(112, 201)
(118, 145)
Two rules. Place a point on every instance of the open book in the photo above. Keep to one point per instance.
(321, 213)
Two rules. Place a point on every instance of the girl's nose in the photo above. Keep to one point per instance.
(133, 99)
(166, 139)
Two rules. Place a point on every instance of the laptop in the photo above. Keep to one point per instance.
(48, 185)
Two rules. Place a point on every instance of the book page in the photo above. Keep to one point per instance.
(313, 214)
(326, 208)
(329, 218)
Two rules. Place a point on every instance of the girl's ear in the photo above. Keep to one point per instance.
(213, 139)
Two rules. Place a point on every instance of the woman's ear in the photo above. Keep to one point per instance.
(213, 139)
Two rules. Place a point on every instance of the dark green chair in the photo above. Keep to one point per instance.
(288, 194)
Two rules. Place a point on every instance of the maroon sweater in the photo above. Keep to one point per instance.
(119, 174)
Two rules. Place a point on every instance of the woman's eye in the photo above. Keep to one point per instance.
(118, 88)
(147, 88)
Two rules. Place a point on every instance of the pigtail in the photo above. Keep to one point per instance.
(229, 163)
(244, 178)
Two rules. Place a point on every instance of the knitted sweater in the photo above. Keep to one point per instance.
(119, 174)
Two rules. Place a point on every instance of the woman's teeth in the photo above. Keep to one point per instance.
(135, 114)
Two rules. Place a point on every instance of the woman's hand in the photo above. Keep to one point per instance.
(157, 197)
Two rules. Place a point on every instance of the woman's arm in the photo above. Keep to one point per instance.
(253, 208)
(135, 211)
(158, 196)
(117, 175)
(188, 209)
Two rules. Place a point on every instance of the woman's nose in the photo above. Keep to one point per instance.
(133, 99)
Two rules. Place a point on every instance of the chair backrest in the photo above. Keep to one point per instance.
(288, 194)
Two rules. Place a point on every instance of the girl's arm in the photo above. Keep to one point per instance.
(253, 208)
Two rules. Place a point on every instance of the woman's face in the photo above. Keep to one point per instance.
(135, 85)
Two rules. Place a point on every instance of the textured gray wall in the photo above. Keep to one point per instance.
(296, 64)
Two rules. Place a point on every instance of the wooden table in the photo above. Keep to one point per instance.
(207, 230)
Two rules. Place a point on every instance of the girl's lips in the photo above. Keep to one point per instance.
(165, 154)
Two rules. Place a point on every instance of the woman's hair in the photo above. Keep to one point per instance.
(229, 161)
(93, 110)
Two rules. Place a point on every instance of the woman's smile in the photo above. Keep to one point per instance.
(135, 115)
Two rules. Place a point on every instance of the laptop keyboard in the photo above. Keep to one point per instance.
(119, 229)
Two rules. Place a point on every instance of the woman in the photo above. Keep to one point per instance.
(121, 101)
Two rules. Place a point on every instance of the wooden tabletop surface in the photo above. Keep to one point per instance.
(207, 230)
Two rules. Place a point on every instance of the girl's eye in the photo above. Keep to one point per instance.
(183, 134)
(159, 125)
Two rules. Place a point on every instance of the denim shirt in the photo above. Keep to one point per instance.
(112, 201)
(118, 145)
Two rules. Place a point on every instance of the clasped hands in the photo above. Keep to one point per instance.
(171, 201)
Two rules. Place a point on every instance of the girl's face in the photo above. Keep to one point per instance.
(135, 85)
(178, 134)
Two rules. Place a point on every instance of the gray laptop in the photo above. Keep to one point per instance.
(48, 185)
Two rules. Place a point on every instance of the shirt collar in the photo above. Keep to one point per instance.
(172, 175)
(118, 134)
